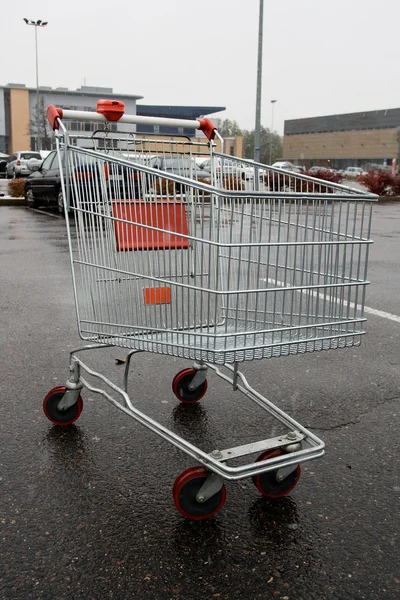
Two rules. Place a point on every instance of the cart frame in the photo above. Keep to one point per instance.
(297, 444)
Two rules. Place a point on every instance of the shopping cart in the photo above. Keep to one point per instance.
(217, 273)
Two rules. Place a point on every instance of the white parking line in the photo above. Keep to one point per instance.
(367, 309)
(382, 314)
(43, 212)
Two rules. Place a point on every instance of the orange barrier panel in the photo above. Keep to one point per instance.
(157, 295)
(161, 214)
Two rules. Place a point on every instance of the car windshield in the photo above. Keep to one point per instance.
(179, 163)
(29, 155)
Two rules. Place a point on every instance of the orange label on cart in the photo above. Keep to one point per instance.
(155, 216)
(157, 295)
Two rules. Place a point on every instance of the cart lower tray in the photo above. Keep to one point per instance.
(220, 346)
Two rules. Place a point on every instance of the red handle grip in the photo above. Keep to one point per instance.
(53, 114)
(207, 128)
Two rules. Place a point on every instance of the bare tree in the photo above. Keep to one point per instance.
(268, 139)
(45, 134)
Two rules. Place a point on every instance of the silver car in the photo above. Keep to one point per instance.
(17, 165)
(230, 167)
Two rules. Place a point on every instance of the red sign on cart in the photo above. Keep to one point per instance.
(147, 225)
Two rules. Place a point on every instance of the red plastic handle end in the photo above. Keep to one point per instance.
(207, 128)
(53, 114)
(113, 110)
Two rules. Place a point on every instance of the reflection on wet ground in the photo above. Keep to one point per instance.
(87, 512)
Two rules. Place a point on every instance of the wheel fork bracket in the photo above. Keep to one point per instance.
(200, 377)
(210, 487)
(281, 474)
(71, 395)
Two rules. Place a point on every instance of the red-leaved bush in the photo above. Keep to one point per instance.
(330, 176)
(280, 182)
(16, 188)
(381, 183)
(377, 182)
(395, 185)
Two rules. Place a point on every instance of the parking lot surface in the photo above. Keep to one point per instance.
(87, 511)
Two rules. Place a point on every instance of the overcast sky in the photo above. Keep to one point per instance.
(319, 57)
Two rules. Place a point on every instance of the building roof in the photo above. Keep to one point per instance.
(84, 90)
(374, 119)
(176, 112)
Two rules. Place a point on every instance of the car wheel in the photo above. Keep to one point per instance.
(60, 203)
(31, 201)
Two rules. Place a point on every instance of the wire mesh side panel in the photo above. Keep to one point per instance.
(295, 273)
(137, 269)
(168, 265)
(177, 154)
(238, 174)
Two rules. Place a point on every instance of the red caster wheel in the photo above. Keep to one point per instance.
(186, 486)
(180, 387)
(267, 484)
(58, 417)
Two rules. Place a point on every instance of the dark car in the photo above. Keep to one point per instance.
(180, 165)
(3, 169)
(43, 186)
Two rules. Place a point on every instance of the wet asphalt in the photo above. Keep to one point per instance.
(87, 511)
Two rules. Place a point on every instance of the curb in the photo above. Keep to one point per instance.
(9, 201)
(388, 199)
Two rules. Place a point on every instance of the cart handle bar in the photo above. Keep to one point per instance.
(113, 110)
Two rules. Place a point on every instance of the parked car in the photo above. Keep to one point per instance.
(316, 168)
(3, 169)
(230, 167)
(180, 165)
(286, 165)
(200, 160)
(43, 186)
(353, 172)
(17, 165)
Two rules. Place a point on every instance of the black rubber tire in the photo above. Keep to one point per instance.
(31, 201)
(62, 418)
(185, 489)
(267, 484)
(180, 387)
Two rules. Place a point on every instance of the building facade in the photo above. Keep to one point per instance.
(365, 139)
(18, 114)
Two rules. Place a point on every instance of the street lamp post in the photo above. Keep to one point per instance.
(272, 129)
(37, 24)
(257, 128)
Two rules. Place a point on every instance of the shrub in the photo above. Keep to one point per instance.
(16, 188)
(231, 182)
(330, 176)
(396, 185)
(276, 181)
(164, 187)
(377, 182)
(280, 182)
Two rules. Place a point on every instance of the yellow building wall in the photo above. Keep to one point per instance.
(374, 143)
(234, 146)
(199, 144)
(19, 115)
